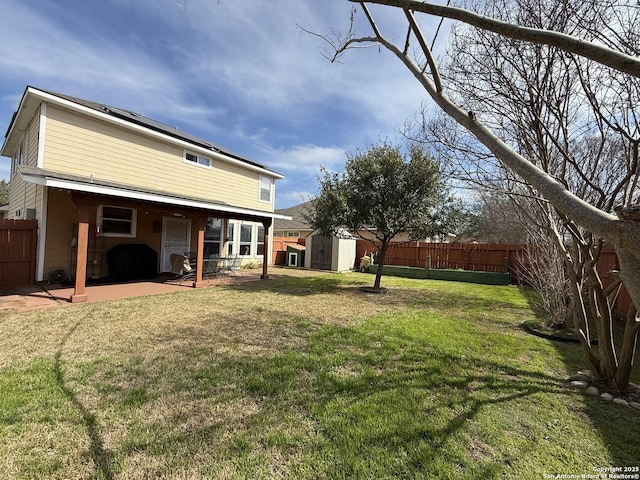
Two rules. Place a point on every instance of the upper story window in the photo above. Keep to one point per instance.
(266, 188)
(195, 159)
(116, 221)
(17, 159)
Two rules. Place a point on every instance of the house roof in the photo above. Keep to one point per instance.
(33, 96)
(101, 187)
(297, 222)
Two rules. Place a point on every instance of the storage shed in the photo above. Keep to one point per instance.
(335, 252)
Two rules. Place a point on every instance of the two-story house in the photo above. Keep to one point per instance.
(98, 177)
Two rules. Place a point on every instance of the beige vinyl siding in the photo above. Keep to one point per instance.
(85, 146)
(24, 195)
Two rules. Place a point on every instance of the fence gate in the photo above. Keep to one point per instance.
(18, 252)
(321, 252)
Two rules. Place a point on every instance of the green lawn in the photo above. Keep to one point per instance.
(300, 378)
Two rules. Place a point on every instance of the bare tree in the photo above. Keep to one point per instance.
(593, 214)
(540, 100)
(505, 217)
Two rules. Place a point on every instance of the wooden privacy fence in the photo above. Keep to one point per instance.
(485, 257)
(607, 262)
(18, 252)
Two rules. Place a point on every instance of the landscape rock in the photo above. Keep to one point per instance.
(635, 405)
(579, 384)
(621, 401)
(606, 396)
(592, 391)
(579, 377)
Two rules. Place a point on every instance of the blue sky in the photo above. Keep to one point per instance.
(239, 73)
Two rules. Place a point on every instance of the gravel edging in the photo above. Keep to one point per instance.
(584, 381)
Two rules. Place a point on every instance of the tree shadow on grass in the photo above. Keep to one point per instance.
(377, 403)
(100, 455)
(607, 417)
(371, 397)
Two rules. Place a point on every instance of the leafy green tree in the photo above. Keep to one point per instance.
(385, 193)
(4, 192)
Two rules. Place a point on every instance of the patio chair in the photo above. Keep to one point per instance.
(232, 265)
(180, 266)
(212, 267)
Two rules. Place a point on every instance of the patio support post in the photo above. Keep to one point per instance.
(266, 223)
(79, 294)
(199, 253)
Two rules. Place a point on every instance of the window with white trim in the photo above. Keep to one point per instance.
(212, 237)
(116, 221)
(245, 239)
(18, 158)
(266, 188)
(246, 232)
(260, 241)
(231, 226)
(195, 159)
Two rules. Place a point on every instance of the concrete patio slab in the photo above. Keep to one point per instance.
(45, 295)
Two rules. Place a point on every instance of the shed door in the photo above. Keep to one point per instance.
(321, 252)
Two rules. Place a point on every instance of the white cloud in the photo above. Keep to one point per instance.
(309, 158)
(294, 197)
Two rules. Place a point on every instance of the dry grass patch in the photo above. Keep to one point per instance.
(165, 371)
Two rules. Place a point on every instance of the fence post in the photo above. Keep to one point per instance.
(428, 263)
(505, 265)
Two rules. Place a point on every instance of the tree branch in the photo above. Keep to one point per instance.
(595, 220)
(425, 49)
(606, 56)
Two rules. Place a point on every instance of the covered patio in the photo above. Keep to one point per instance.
(78, 202)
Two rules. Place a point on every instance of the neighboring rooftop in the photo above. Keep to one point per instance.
(298, 221)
